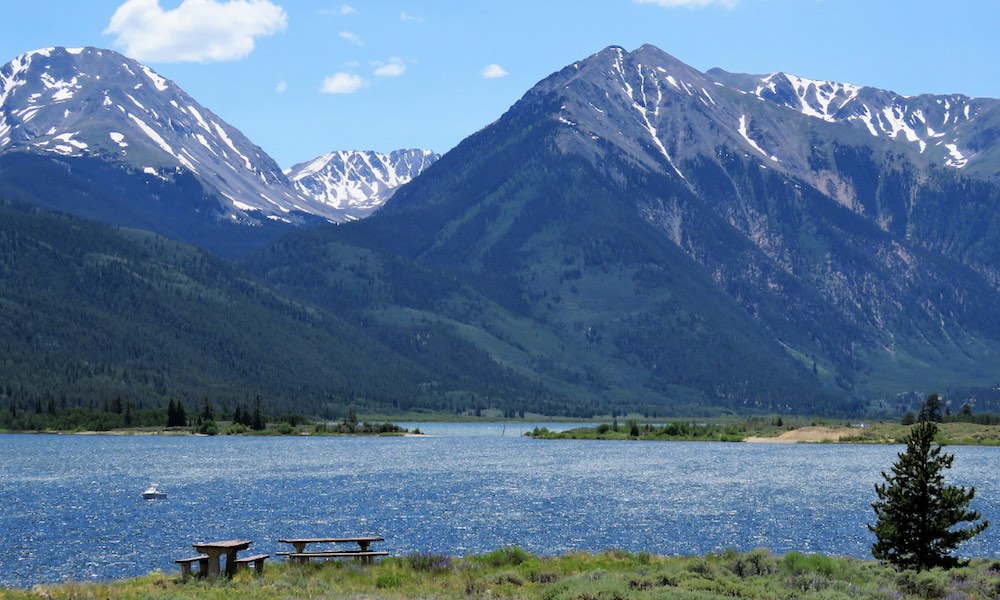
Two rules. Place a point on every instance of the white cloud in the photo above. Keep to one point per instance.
(394, 67)
(195, 31)
(405, 16)
(689, 3)
(343, 11)
(281, 87)
(341, 83)
(351, 37)
(494, 71)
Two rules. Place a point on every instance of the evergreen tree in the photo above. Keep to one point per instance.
(918, 513)
(208, 413)
(181, 415)
(930, 410)
(258, 420)
(171, 413)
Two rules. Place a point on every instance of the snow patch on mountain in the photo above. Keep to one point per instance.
(917, 120)
(88, 102)
(358, 182)
(746, 136)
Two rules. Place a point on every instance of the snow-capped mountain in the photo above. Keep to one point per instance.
(358, 182)
(945, 129)
(89, 102)
(92, 102)
(649, 90)
(852, 228)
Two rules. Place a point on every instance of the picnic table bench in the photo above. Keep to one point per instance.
(210, 556)
(185, 563)
(362, 553)
(257, 560)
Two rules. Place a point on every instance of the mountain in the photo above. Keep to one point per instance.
(93, 313)
(632, 235)
(650, 235)
(94, 133)
(358, 182)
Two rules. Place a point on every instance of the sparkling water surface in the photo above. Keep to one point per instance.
(71, 505)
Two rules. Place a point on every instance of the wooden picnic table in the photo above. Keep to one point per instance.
(215, 550)
(362, 553)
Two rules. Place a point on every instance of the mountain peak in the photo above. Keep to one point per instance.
(92, 102)
(358, 182)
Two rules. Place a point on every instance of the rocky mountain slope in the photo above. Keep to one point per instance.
(681, 237)
(73, 115)
(358, 182)
(633, 235)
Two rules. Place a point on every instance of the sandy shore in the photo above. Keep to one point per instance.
(807, 434)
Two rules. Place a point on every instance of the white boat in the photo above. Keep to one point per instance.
(153, 492)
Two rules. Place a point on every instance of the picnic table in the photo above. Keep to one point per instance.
(215, 550)
(363, 552)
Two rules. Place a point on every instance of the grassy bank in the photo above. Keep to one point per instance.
(513, 573)
(777, 430)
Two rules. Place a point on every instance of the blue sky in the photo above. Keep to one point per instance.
(305, 77)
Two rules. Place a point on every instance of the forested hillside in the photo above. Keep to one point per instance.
(93, 314)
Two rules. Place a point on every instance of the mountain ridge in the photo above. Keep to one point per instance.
(839, 246)
(90, 103)
(358, 182)
(633, 235)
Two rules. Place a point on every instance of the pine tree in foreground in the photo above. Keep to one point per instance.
(917, 513)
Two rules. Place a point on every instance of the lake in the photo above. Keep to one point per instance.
(72, 509)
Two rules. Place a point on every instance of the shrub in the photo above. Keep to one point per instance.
(756, 563)
(429, 562)
(508, 556)
(236, 429)
(508, 577)
(925, 584)
(796, 563)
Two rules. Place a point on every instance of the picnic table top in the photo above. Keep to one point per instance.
(224, 544)
(333, 540)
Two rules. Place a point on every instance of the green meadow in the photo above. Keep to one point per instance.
(513, 573)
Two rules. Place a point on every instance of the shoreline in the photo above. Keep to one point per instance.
(510, 572)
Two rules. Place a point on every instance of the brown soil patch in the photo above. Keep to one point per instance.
(807, 434)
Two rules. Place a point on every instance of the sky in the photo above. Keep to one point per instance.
(305, 77)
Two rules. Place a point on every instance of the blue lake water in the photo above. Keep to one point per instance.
(70, 505)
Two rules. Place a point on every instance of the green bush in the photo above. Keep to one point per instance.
(796, 563)
(925, 584)
(511, 577)
(508, 556)
(757, 563)
(236, 429)
(429, 562)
